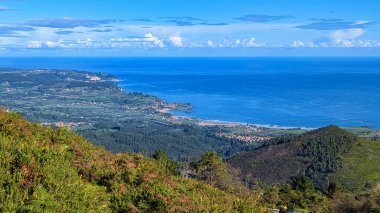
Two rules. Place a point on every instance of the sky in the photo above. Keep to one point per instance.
(189, 28)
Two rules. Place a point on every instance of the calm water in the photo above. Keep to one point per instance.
(300, 92)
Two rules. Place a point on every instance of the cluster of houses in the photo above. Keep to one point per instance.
(246, 138)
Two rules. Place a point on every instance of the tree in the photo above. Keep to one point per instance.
(166, 162)
(213, 170)
(303, 184)
(210, 168)
(301, 192)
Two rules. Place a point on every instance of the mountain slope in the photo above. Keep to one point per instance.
(322, 155)
(272, 164)
(360, 169)
(55, 170)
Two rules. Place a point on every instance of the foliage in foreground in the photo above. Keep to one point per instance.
(299, 194)
(55, 170)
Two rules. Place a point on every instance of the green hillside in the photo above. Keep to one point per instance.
(325, 155)
(47, 170)
(324, 170)
(361, 166)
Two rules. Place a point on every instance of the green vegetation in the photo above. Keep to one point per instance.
(327, 168)
(211, 169)
(169, 165)
(270, 164)
(299, 195)
(47, 170)
(352, 202)
(364, 132)
(323, 149)
(360, 169)
(317, 154)
(184, 142)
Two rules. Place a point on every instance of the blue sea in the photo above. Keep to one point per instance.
(290, 92)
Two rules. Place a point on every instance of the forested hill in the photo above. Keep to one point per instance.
(47, 170)
(322, 155)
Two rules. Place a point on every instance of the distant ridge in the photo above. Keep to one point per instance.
(317, 154)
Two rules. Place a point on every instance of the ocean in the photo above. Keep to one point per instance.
(289, 92)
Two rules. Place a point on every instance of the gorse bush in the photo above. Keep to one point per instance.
(36, 171)
(166, 162)
(47, 170)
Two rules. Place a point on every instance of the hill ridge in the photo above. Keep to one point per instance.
(316, 153)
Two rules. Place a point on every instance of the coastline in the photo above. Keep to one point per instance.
(138, 78)
(170, 108)
(235, 124)
(102, 99)
(253, 133)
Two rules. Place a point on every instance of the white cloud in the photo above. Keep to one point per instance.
(250, 43)
(298, 43)
(324, 44)
(358, 43)
(368, 43)
(156, 41)
(86, 42)
(176, 41)
(195, 45)
(345, 43)
(237, 43)
(341, 35)
(34, 44)
(360, 22)
(210, 43)
(81, 43)
(149, 40)
(340, 44)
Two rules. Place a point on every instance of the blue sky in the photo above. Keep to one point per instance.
(189, 28)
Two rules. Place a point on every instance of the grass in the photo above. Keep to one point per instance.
(361, 165)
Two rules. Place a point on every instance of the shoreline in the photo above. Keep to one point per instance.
(216, 122)
(171, 107)
(95, 101)
(229, 123)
